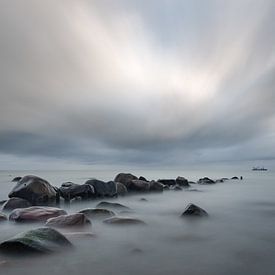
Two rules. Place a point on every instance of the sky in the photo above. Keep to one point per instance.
(141, 82)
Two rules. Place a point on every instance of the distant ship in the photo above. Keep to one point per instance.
(259, 169)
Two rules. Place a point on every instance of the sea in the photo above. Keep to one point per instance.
(237, 238)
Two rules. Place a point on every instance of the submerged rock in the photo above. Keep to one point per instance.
(72, 220)
(103, 189)
(35, 214)
(235, 178)
(125, 178)
(3, 217)
(97, 213)
(139, 185)
(156, 186)
(206, 180)
(194, 210)
(121, 189)
(40, 240)
(69, 190)
(123, 221)
(168, 182)
(112, 205)
(14, 203)
(35, 190)
(181, 181)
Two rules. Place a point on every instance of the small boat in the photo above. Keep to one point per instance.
(259, 169)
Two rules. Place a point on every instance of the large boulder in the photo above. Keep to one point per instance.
(69, 191)
(194, 210)
(72, 220)
(121, 189)
(40, 240)
(123, 221)
(156, 186)
(139, 185)
(103, 189)
(112, 205)
(181, 181)
(168, 182)
(206, 180)
(97, 213)
(125, 178)
(35, 190)
(35, 214)
(14, 203)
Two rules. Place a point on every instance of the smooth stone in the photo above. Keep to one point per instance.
(35, 190)
(112, 205)
(97, 213)
(123, 221)
(235, 178)
(139, 185)
(3, 217)
(35, 214)
(40, 240)
(14, 203)
(69, 190)
(156, 186)
(72, 220)
(121, 189)
(194, 210)
(103, 189)
(206, 180)
(168, 182)
(181, 181)
(125, 178)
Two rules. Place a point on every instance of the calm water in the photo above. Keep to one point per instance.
(237, 238)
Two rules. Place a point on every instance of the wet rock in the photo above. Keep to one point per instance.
(16, 179)
(35, 190)
(3, 217)
(194, 210)
(235, 178)
(14, 203)
(69, 191)
(156, 186)
(168, 182)
(191, 182)
(125, 178)
(139, 185)
(72, 220)
(123, 221)
(40, 240)
(35, 214)
(2, 202)
(103, 189)
(206, 180)
(121, 189)
(181, 181)
(112, 205)
(97, 213)
(143, 178)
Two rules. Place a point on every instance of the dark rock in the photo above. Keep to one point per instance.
(2, 202)
(121, 189)
(168, 182)
(139, 185)
(14, 203)
(143, 199)
(112, 205)
(35, 214)
(143, 178)
(3, 217)
(16, 179)
(191, 182)
(156, 186)
(235, 178)
(103, 189)
(205, 180)
(181, 181)
(125, 178)
(97, 213)
(35, 190)
(40, 240)
(123, 221)
(194, 210)
(72, 220)
(69, 191)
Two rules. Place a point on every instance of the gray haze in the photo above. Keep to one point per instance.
(142, 82)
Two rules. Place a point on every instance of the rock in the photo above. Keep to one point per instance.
(176, 188)
(35, 190)
(97, 213)
(139, 185)
(40, 240)
(72, 220)
(69, 191)
(125, 178)
(121, 189)
(2, 202)
(123, 221)
(181, 181)
(168, 182)
(156, 186)
(35, 214)
(3, 217)
(103, 189)
(205, 180)
(16, 179)
(191, 182)
(143, 178)
(112, 205)
(143, 199)
(14, 203)
(194, 210)
(235, 178)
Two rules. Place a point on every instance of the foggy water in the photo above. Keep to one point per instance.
(237, 237)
